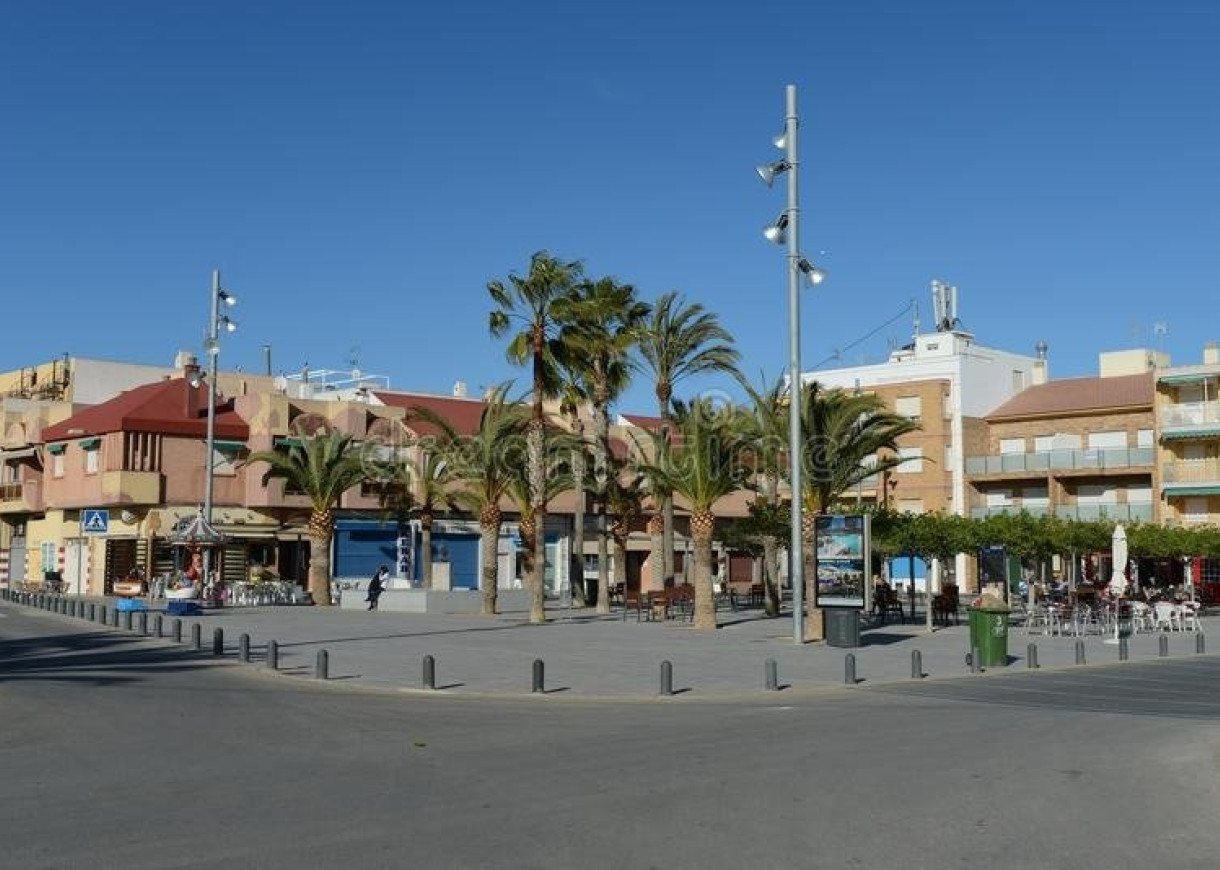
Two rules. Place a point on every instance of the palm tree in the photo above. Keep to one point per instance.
(846, 438)
(767, 428)
(624, 504)
(541, 301)
(571, 398)
(704, 465)
(323, 466)
(558, 479)
(483, 466)
(603, 330)
(677, 340)
(420, 486)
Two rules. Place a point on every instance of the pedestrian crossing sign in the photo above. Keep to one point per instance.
(94, 521)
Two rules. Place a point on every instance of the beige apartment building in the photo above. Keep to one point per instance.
(1188, 414)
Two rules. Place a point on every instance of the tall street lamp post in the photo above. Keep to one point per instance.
(218, 321)
(785, 230)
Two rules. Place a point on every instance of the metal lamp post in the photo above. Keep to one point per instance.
(211, 344)
(785, 230)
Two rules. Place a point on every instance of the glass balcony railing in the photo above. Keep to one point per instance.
(979, 513)
(1127, 513)
(1185, 415)
(1101, 458)
(1191, 471)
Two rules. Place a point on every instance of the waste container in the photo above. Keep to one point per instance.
(842, 626)
(989, 630)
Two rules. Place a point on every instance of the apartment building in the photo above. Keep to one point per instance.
(1188, 449)
(1077, 448)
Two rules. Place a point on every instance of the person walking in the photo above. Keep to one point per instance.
(377, 586)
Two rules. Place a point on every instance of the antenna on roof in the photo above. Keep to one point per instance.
(1160, 329)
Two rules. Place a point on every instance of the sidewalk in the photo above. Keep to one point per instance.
(592, 656)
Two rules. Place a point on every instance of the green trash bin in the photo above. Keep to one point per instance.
(989, 630)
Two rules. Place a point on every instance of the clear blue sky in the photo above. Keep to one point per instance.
(359, 171)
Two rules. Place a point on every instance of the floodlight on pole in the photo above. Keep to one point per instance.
(777, 233)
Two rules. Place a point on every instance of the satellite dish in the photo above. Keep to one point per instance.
(127, 517)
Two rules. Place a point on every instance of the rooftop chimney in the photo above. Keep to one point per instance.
(1211, 353)
(1039, 373)
(459, 390)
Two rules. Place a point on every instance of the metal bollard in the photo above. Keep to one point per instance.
(976, 661)
(849, 669)
(1200, 644)
(144, 623)
(539, 677)
(667, 679)
(321, 668)
(218, 641)
(429, 677)
(243, 649)
(273, 655)
(1031, 656)
(1163, 643)
(92, 612)
(114, 618)
(196, 637)
(916, 665)
(101, 614)
(177, 631)
(1124, 652)
(1080, 652)
(158, 625)
(126, 620)
(772, 675)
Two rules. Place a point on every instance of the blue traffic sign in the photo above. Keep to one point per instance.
(94, 521)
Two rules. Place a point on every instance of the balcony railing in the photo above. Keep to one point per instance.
(1185, 415)
(1101, 458)
(11, 491)
(1139, 512)
(980, 513)
(1191, 471)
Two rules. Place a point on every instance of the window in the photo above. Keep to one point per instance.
(912, 460)
(1012, 445)
(1143, 438)
(948, 456)
(1035, 497)
(908, 406)
(1096, 494)
(1103, 440)
(1139, 494)
(48, 556)
(1195, 509)
(91, 460)
(910, 505)
(1044, 443)
(1018, 380)
(57, 465)
(225, 459)
(998, 498)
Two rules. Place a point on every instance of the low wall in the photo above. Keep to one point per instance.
(425, 601)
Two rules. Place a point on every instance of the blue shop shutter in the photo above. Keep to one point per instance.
(363, 546)
(462, 551)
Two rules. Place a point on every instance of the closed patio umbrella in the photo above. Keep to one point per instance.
(1118, 551)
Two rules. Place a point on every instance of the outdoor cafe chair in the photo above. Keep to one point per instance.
(1038, 620)
(1167, 616)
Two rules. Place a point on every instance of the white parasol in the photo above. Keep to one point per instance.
(1118, 579)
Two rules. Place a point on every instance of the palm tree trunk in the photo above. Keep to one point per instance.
(489, 538)
(603, 562)
(702, 523)
(425, 550)
(771, 573)
(601, 460)
(620, 562)
(319, 569)
(813, 618)
(576, 571)
(656, 557)
(529, 560)
(537, 472)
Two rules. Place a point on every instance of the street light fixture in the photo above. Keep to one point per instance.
(211, 344)
(784, 231)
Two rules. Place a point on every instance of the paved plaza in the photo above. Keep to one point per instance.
(591, 656)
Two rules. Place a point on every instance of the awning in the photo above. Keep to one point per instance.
(56, 448)
(1186, 378)
(11, 455)
(90, 443)
(229, 445)
(1184, 434)
(1179, 489)
(287, 442)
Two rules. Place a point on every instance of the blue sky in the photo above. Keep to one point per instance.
(360, 171)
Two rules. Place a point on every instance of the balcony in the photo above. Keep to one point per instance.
(1190, 420)
(131, 487)
(1191, 477)
(20, 496)
(1135, 512)
(1042, 464)
(1034, 510)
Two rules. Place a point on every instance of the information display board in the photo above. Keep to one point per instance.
(841, 558)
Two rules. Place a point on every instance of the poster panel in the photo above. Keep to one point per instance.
(841, 555)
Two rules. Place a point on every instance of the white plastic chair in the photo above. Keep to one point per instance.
(1166, 616)
(1188, 615)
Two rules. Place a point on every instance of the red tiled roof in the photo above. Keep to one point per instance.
(159, 407)
(462, 414)
(1078, 395)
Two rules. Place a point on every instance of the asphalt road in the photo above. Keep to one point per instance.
(117, 752)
